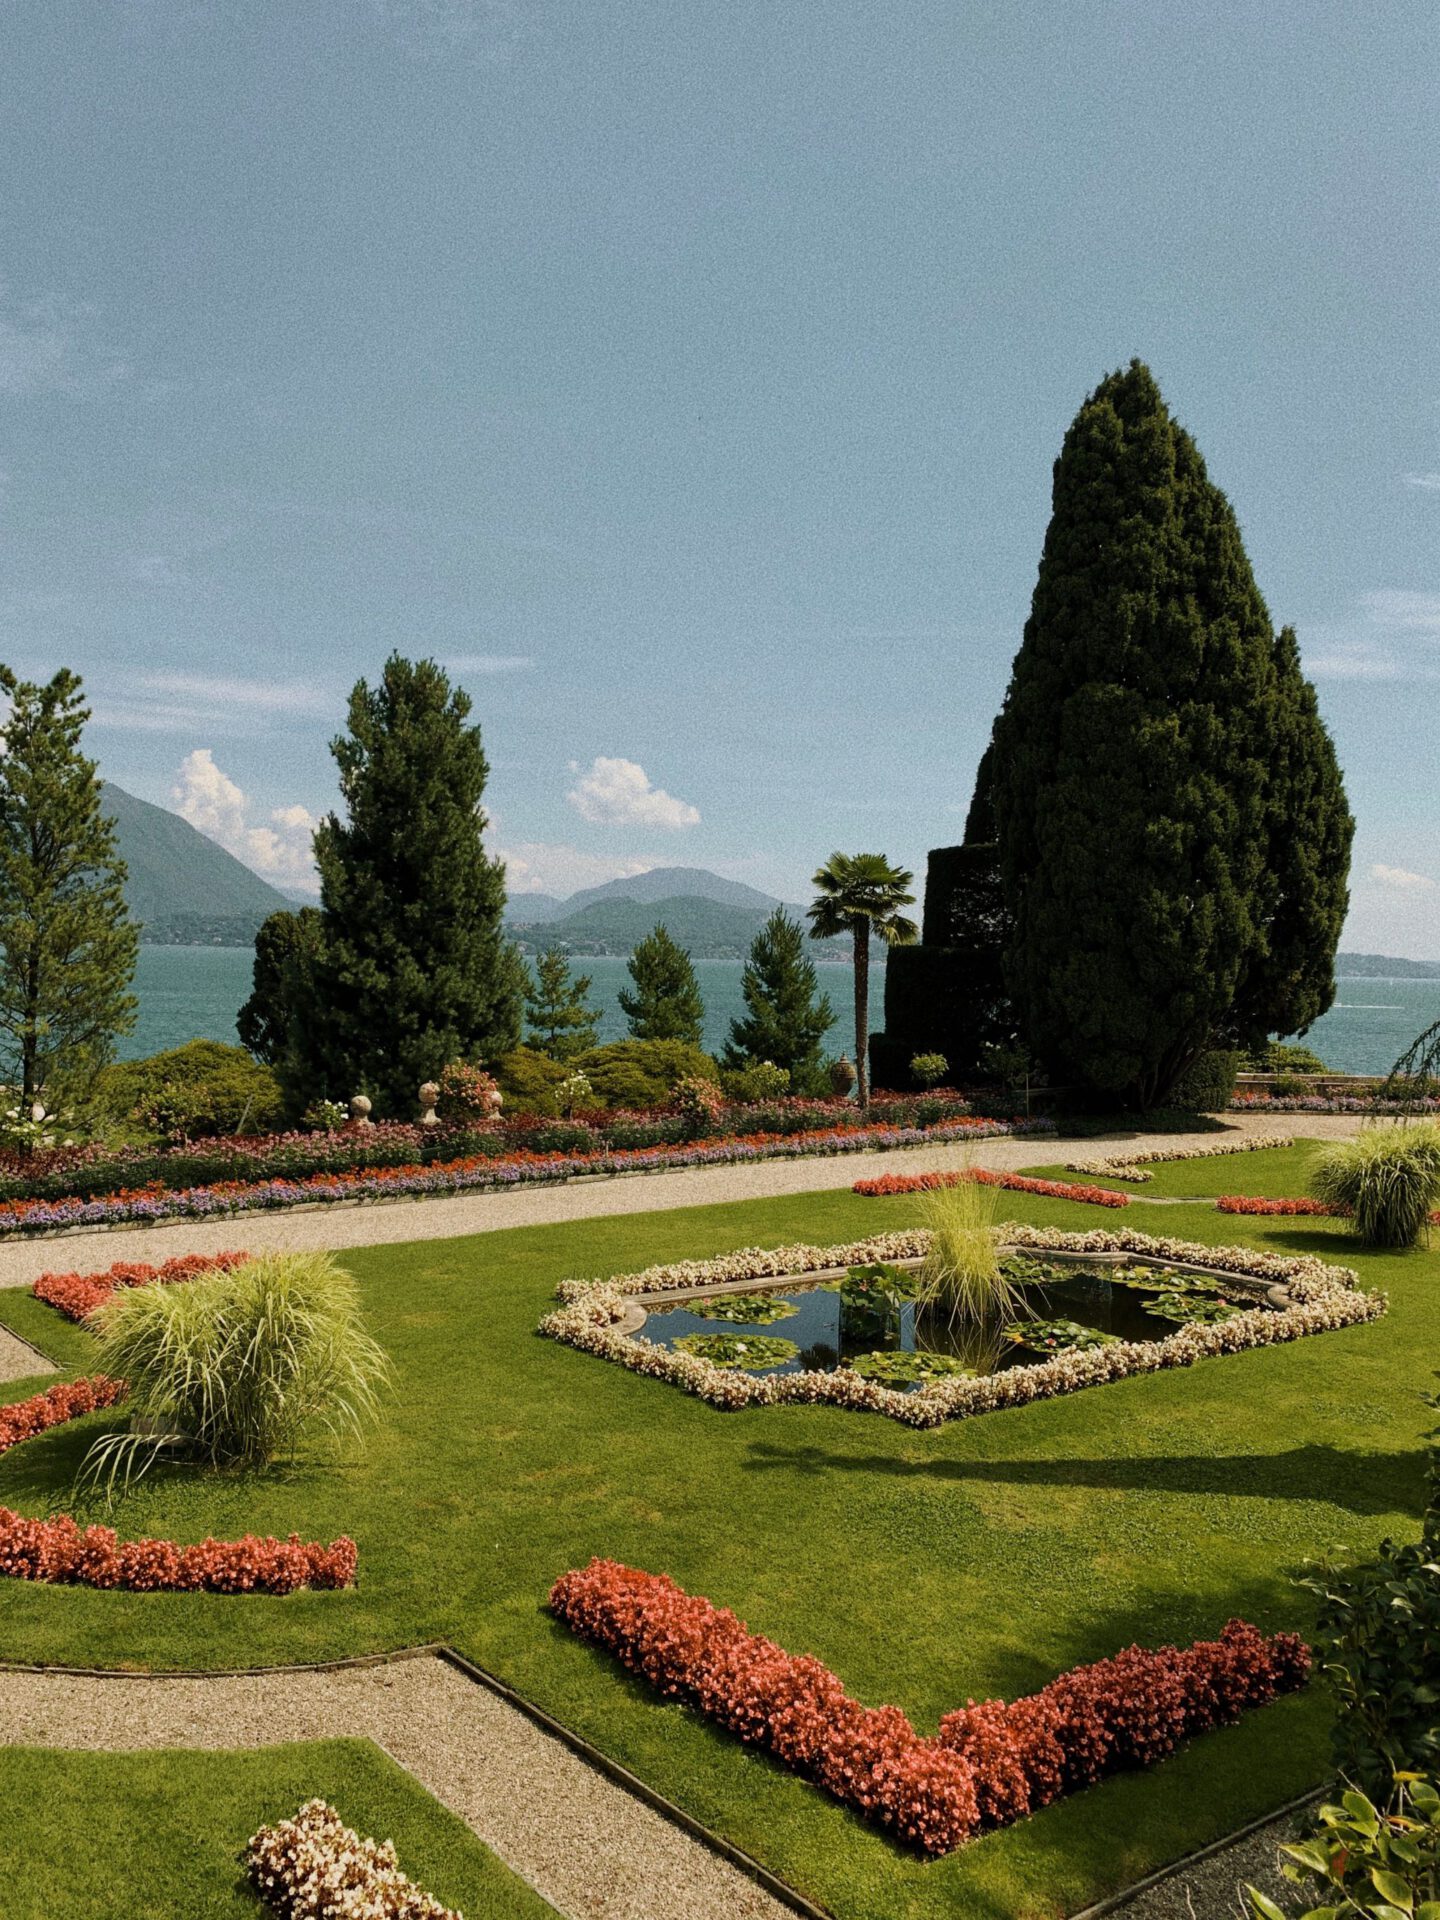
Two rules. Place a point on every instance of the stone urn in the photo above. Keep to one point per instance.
(429, 1094)
(842, 1076)
(495, 1100)
(360, 1111)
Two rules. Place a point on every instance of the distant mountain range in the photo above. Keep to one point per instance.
(714, 918)
(1383, 966)
(659, 884)
(184, 888)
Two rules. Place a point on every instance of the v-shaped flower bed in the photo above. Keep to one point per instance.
(893, 1183)
(64, 1553)
(990, 1763)
(78, 1294)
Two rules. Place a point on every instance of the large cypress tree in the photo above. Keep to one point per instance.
(412, 968)
(67, 943)
(786, 1016)
(285, 947)
(1138, 815)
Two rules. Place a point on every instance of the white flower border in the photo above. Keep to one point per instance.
(1132, 1166)
(1321, 1298)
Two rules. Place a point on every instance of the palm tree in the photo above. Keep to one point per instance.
(861, 893)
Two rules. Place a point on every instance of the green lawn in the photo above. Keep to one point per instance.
(150, 1836)
(923, 1567)
(1283, 1170)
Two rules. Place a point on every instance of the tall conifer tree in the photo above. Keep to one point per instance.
(67, 943)
(562, 1022)
(664, 1002)
(1138, 815)
(786, 1016)
(413, 969)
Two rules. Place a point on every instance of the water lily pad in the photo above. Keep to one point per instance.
(1191, 1308)
(879, 1281)
(751, 1352)
(1057, 1336)
(746, 1309)
(908, 1369)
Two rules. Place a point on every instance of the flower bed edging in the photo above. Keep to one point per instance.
(989, 1764)
(892, 1183)
(478, 1173)
(78, 1294)
(1322, 1298)
(59, 1552)
(314, 1865)
(1133, 1166)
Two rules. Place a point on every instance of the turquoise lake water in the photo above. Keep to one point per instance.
(189, 993)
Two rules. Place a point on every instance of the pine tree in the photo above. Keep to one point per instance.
(665, 1003)
(562, 1021)
(284, 947)
(786, 1016)
(67, 944)
(1130, 770)
(413, 969)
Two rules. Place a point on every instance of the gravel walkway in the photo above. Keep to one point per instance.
(1213, 1888)
(19, 1360)
(447, 1216)
(595, 1851)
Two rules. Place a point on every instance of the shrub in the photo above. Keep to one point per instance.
(194, 1092)
(696, 1103)
(1378, 1642)
(528, 1080)
(1388, 1178)
(643, 1073)
(325, 1116)
(238, 1366)
(316, 1866)
(1209, 1085)
(1283, 1057)
(468, 1095)
(929, 1069)
(749, 1086)
(1378, 1862)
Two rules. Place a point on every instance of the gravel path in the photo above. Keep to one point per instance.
(447, 1216)
(1213, 1888)
(595, 1851)
(19, 1360)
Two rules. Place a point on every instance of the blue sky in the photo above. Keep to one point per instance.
(689, 377)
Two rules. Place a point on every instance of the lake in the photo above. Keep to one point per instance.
(189, 993)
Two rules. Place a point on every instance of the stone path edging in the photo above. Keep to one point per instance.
(594, 1840)
(1158, 1895)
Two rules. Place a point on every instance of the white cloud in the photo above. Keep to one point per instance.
(539, 866)
(618, 793)
(1394, 635)
(489, 662)
(43, 350)
(1430, 481)
(1400, 878)
(208, 694)
(210, 800)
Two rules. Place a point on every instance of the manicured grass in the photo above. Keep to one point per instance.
(922, 1567)
(1283, 1170)
(149, 1836)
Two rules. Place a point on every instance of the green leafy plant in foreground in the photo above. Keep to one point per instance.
(1382, 1863)
(1386, 1178)
(236, 1367)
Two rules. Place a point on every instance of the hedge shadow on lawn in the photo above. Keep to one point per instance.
(1380, 1483)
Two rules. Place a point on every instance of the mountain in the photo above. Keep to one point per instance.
(182, 887)
(1381, 966)
(675, 883)
(708, 929)
(530, 909)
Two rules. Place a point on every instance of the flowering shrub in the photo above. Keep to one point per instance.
(1255, 1101)
(890, 1183)
(1316, 1299)
(1131, 1166)
(58, 1551)
(697, 1103)
(473, 1173)
(990, 1763)
(468, 1093)
(315, 1868)
(77, 1294)
(57, 1405)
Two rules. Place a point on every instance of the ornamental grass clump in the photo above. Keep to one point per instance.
(962, 1277)
(1387, 1179)
(236, 1368)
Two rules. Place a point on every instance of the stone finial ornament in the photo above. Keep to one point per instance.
(429, 1094)
(360, 1110)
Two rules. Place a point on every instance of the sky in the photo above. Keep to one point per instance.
(688, 379)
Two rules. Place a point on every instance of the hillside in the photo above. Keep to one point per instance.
(1382, 966)
(182, 887)
(675, 883)
(708, 929)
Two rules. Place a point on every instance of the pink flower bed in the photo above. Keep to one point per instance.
(78, 1294)
(59, 1551)
(990, 1763)
(888, 1183)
